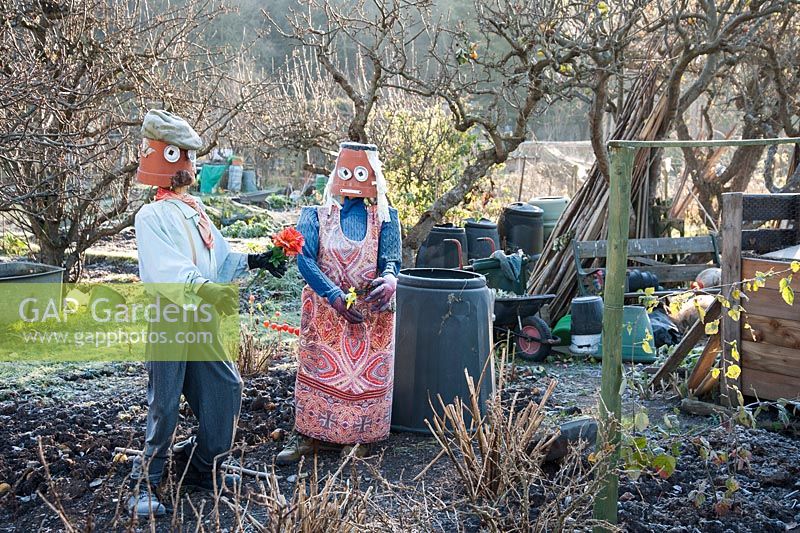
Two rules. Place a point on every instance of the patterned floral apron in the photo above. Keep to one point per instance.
(343, 392)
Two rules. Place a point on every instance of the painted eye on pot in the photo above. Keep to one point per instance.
(361, 173)
(172, 153)
(344, 173)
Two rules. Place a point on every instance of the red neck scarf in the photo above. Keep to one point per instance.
(205, 223)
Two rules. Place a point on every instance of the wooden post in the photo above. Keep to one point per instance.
(731, 264)
(574, 188)
(605, 507)
(521, 179)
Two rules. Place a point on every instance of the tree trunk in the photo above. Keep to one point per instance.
(53, 247)
(416, 235)
(49, 254)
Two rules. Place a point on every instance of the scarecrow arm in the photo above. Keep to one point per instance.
(390, 246)
(230, 265)
(308, 225)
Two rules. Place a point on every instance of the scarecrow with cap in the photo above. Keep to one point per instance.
(185, 260)
(343, 392)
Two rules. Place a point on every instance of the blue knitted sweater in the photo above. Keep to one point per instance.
(353, 217)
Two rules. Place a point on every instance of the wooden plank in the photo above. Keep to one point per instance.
(660, 246)
(705, 363)
(645, 261)
(771, 358)
(752, 265)
(708, 384)
(669, 292)
(768, 303)
(675, 273)
(689, 340)
(678, 143)
(772, 330)
(699, 408)
(757, 207)
(731, 273)
(769, 385)
(762, 241)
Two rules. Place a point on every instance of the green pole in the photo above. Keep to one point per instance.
(605, 507)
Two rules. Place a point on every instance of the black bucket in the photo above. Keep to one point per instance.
(587, 324)
(444, 325)
(522, 228)
(440, 249)
(482, 238)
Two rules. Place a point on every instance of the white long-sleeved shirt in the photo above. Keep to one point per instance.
(166, 231)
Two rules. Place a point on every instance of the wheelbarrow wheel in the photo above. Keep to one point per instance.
(528, 340)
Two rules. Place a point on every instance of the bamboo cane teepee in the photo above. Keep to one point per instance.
(585, 219)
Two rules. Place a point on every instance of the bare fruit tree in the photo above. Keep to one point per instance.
(76, 80)
(491, 73)
(302, 111)
(718, 64)
(495, 73)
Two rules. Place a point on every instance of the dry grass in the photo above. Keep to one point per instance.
(255, 355)
(499, 457)
(496, 458)
(328, 504)
(332, 502)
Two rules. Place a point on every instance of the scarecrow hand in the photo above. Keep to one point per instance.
(264, 260)
(351, 315)
(385, 287)
(223, 297)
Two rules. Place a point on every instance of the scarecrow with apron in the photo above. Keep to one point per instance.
(350, 261)
(184, 259)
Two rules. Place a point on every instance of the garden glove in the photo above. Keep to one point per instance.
(224, 298)
(264, 260)
(384, 289)
(351, 315)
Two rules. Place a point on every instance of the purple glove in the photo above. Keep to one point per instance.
(385, 287)
(351, 315)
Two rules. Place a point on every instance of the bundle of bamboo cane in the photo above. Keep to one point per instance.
(585, 219)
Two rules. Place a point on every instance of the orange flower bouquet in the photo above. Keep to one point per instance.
(287, 243)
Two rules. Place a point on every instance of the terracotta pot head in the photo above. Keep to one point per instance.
(159, 162)
(353, 175)
(168, 147)
(358, 174)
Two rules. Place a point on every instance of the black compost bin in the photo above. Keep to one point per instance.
(482, 238)
(444, 325)
(442, 248)
(522, 228)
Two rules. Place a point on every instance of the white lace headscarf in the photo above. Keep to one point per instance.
(377, 167)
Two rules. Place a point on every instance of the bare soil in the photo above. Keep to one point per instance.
(82, 412)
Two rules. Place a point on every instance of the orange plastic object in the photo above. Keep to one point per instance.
(154, 167)
(350, 166)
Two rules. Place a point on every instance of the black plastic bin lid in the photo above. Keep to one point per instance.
(525, 209)
(483, 223)
(441, 278)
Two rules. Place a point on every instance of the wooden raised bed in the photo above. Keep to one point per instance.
(770, 363)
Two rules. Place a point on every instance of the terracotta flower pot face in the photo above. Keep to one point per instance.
(159, 162)
(354, 176)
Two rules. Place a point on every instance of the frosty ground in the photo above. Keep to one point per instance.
(81, 412)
